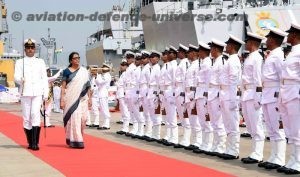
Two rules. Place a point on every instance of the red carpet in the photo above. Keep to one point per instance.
(100, 157)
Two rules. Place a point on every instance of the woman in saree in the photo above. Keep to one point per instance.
(75, 100)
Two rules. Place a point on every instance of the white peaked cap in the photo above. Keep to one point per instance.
(183, 47)
(218, 42)
(232, 37)
(204, 45)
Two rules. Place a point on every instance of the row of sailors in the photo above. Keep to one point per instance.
(205, 89)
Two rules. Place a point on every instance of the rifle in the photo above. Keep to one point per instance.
(158, 109)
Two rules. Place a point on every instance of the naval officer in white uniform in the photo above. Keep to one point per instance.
(290, 100)
(30, 74)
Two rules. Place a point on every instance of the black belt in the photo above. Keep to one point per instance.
(258, 89)
(193, 89)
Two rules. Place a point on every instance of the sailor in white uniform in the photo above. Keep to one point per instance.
(95, 102)
(153, 96)
(103, 83)
(271, 74)
(120, 94)
(131, 82)
(169, 95)
(144, 81)
(190, 91)
(203, 74)
(180, 96)
(230, 79)
(290, 100)
(30, 74)
(213, 101)
(141, 119)
(251, 97)
(162, 87)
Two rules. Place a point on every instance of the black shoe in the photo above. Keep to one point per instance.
(50, 126)
(272, 166)
(198, 151)
(93, 125)
(263, 164)
(163, 124)
(130, 124)
(179, 146)
(282, 169)
(87, 125)
(141, 137)
(103, 128)
(250, 160)
(179, 124)
(135, 136)
(150, 139)
(121, 132)
(168, 143)
(128, 134)
(268, 138)
(145, 137)
(292, 172)
(160, 141)
(246, 135)
(35, 138)
(119, 122)
(28, 134)
(212, 153)
(191, 147)
(229, 157)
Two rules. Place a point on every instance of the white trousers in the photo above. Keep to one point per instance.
(95, 110)
(103, 108)
(219, 134)
(146, 110)
(292, 109)
(231, 121)
(216, 120)
(255, 128)
(272, 117)
(155, 118)
(253, 120)
(31, 106)
(171, 117)
(133, 107)
(179, 107)
(201, 111)
(124, 110)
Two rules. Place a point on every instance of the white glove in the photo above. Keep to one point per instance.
(232, 104)
(257, 100)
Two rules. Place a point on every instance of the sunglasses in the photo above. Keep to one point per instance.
(29, 47)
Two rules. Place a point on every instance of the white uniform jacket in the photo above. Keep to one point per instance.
(290, 83)
(203, 76)
(230, 78)
(35, 80)
(271, 73)
(251, 75)
(103, 83)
